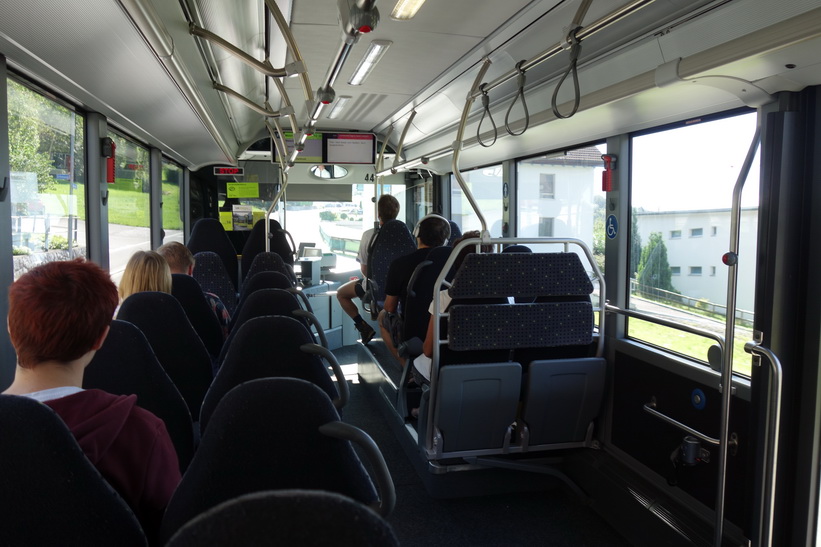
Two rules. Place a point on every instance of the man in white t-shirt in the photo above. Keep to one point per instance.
(387, 209)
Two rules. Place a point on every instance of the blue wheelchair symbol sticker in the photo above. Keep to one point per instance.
(612, 226)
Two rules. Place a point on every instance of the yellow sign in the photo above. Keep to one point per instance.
(227, 220)
(242, 190)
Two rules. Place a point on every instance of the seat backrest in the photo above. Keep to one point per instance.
(261, 280)
(455, 233)
(290, 516)
(256, 244)
(190, 296)
(391, 241)
(212, 276)
(208, 234)
(126, 365)
(267, 347)
(264, 435)
(267, 261)
(420, 293)
(52, 494)
(175, 343)
(260, 303)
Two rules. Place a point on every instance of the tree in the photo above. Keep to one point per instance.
(654, 269)
(26, 109)
(635, 244)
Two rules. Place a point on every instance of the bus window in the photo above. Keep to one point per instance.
(560, 195)
(682, 183)
(47, 179)
(171, 214)
(129, 208)
(336, 226)
(486, 186)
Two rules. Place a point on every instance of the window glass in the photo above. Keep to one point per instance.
(171, 213)
(337, 226)
(694, 194)
(47, 189)
(486, 186)
(129, 210)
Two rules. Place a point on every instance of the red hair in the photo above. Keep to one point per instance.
(59, 310)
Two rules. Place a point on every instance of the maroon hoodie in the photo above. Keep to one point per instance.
(129, 446)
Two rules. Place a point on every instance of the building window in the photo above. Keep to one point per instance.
(675, 234)
(696, 232)
(545, 227)
(675, 270)
(712, 270)
(695, 270)
(715, 231)
(547, 186)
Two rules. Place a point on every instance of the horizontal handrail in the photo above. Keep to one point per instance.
(650, 409)
(609, 308)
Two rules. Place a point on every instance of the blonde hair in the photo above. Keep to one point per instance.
(179, 258)
(145, 271)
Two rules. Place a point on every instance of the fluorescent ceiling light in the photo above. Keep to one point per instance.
(338, 107)
(375, 52)
(405, 9)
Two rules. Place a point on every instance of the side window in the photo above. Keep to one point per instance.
(129, 209)
(47, 179)
(171, 213)
(486, 186)
(663, 206)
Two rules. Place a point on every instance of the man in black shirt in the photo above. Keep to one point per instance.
(432, 231)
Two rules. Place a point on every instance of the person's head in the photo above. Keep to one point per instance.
(470, 249)
(145, 271)
(387, 207)
(432, 231)
(179, 258)
(60, 311)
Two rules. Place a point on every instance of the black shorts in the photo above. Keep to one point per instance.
(360, 291)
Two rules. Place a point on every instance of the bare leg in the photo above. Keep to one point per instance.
(345, 294)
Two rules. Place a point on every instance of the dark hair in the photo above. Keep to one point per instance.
(433, 231)
(59, 310)
(470, 249)
(387, 208)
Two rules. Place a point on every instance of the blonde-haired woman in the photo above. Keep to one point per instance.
(145, 271)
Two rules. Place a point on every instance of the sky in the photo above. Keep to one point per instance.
(694, 167)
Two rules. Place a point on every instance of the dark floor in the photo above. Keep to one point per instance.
(552, 517)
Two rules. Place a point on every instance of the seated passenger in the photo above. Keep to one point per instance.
(420, 371)
(59, 316)
(181, 261)
(387, 209)
(145, 271)
(432, 231)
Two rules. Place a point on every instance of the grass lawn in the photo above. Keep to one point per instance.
(690, 344)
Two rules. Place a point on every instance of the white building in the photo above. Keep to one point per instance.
(696, 241)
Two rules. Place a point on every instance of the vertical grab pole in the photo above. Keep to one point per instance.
(292, 47)
(731, 259)
(379, 163)
(279, 142)
(457, 147)
(401, 141)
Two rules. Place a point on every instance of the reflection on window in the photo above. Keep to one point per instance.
(559, 195)
(695, 299)
(47, 179)
(129, 207)
(486, 186)
(171, 213)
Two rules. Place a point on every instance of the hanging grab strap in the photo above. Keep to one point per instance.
(575, 49)
(519, 93)
(486, 112)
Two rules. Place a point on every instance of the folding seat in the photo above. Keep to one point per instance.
(210, 273)
(281, 244)
(261, 280)
(175, 343)
(208, 234)
(190, 296)
(391, 241)
(290, 516)
(126, 365)
(278, 434)
(274, 346)
(52, 494)
(267, 261)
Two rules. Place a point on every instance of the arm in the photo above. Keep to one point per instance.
(391, 303)
(427, 347)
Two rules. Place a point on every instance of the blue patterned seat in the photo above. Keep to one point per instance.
(391, 241)
(208, 234)
(268, 261)
(210, 273)
(280, 245)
